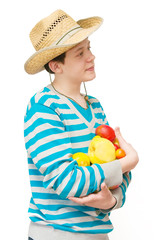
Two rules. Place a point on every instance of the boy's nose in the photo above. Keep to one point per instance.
(91, 57)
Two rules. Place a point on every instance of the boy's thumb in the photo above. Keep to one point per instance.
(119, 136)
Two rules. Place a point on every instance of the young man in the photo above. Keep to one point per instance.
(61, 121)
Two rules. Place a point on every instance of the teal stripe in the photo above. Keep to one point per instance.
(50, 145)
(30, 161)
(68, 116)
(43, 134)
(82, 138)
(46, 196)
(76, 127)
(39, 122)
(101, 172)
(130, 175)
(46, 89)
(89, 224)
(96, 105)
(71, 182)
(59, 206)
(60, 106)
(72, 214)
(81, 184)
(99, 115)
(92, 185)
(54, 166)
(63, 175)
(84, 150)
(123, 192)
(36, 183)
(34, 172)
(125, 178)
(38, 108)
(44, 98)
(53, 156)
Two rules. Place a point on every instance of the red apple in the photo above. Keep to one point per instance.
(105, 131)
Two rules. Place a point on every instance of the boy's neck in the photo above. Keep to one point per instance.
(67, 88)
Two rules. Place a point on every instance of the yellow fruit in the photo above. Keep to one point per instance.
(82, 159)
(101, 150)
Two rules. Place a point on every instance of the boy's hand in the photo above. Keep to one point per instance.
(103, 199)
(131, 159)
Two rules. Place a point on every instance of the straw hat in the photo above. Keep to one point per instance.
(55, 35)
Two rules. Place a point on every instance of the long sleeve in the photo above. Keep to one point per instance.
(120, 192)
(49, 147)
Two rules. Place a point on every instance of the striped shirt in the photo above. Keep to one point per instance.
(55, 127)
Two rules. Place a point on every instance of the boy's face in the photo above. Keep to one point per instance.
(79, 63)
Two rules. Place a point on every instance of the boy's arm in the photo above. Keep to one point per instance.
(49, 146)
(120, 193)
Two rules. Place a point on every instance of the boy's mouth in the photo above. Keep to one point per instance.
(90, 69)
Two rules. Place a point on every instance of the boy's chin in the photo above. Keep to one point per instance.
(90, 78)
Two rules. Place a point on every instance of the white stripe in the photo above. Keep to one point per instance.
(46, 165)
(50, 151)
(36, 177)
(48, 139)
(39, 129)
(44, 116)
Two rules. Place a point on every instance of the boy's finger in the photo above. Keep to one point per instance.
(119, 135)
(103, 186)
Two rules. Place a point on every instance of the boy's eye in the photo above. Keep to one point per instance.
(81, 54)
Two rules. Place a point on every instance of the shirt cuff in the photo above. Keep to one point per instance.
(117, 193)
(113, 173)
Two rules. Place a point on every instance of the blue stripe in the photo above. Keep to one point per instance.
(38, 108)
(76, 127)
(36, 183)
(60, 106)
(99, 115)
(49, 145)
(43, 134)
(39, 122)
(101, 172)
(123, 192)
(34, 172)
(53, 156)
(59, 206)
(81, 184)
(82, 138)
(92, 185)
(46, 196)
(63, 175)
(88, 224)
(68, 116)
(44, 98)
(125, 178)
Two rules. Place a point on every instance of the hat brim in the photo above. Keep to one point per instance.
(37, 61)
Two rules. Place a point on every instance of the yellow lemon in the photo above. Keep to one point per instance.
(82, 159)
(101, 150)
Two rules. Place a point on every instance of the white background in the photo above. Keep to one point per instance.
(127, 67)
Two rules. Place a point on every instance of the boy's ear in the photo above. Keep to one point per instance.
(55, 66)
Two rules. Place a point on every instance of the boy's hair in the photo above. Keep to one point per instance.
(60, 58)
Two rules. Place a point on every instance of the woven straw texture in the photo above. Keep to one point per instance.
(51, 37)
